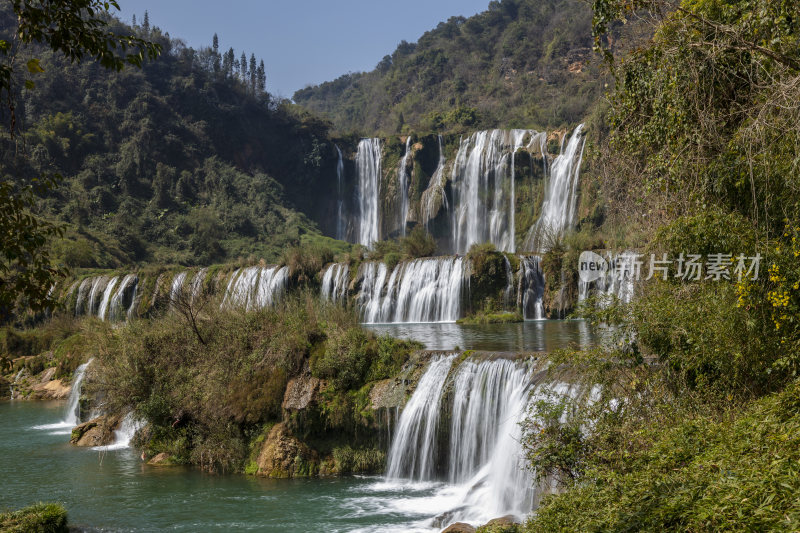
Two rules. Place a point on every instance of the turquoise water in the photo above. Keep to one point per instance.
(115, 491)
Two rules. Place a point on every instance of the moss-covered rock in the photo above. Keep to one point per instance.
(40, 518)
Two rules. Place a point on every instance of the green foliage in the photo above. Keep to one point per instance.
(737, 473)
(358, 461)
(495, 69)
(491, 318)
(39, 518)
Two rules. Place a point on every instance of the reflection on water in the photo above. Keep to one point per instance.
(529, 336)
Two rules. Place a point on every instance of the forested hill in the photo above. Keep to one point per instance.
(521, 63)
(187, 160)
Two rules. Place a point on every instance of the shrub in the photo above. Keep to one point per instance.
(40, 518)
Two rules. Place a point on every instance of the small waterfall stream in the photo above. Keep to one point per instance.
(368, 170)
(256, 287)
(72, 411)
(334, 283)
(531, 288)
(402, 184)
(341, 225)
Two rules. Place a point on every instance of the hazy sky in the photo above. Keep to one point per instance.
(301, 42)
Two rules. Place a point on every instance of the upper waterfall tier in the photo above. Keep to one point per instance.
(368, 170)
(463, 191)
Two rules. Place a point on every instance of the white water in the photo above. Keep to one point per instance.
(402, 183)
(197, 284)
(483, 189)
(617, 284)
(123, 434)
(340, 222)
(483, 474)
(430, 196)
(421, 290)
(72, 412)
(531, 288)
(115, 308)
(334, 283)
(96, 294)
(560, 197)
(101, 313)
(256, 287)
(368, 170)
(413, 445)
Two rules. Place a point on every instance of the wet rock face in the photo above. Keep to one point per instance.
(5, 389)
(284, 456)
(96, 432)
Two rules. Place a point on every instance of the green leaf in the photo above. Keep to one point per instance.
(29, 85)
(33, 66)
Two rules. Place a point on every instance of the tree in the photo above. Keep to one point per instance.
(262, 77)
(253, 74)
(227, 63)
(146, 23)
(216, 58)
(76, 28)
(243, 68)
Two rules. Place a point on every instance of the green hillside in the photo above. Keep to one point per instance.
(521, 63)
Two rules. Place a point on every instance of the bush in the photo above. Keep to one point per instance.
(40, 518)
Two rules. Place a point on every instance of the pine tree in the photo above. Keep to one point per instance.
(134, 20)
(215, 51)
(262, 77)
(243, 68)
(227, 63)
(146, 23)
(253, 74)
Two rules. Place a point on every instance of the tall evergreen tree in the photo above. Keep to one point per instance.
(243, 68)
(227, 63)
(146, 23)
(133, 23)
(253, 74)
(215, 51)
(262, 77)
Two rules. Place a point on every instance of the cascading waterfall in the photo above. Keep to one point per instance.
(368, 170)
(197, 284)
(485, 463)
(560, 197)
(422, 290)
(509, 284)
(412, 451)
(531, 288)
(435, 191)
(124, 434)
(334, 283)
(177, 286)
(101, 312)
(72, 415)
(126, 286)
(483, 189)
(402, 183)
(256, 287)
(95, 294)
(341, 228)
(617, 284)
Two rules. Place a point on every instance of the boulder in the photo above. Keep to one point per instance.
(283, 456)
(503, 524)
(459, 527)
(387, 393)
(301, 392)
(96, 432)
(51, 390)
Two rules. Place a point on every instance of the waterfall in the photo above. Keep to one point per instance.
(101, 313)
(480, 452)
(560, 197)
(509, 283)
(115, 308)
(83, 292)
(197, 284)
(340, 223)
(412, 451)
(616, 284)
(256, 287)
(483, 189)
(124, 434)
(435, 190)
(531, 287)
(177, 286)
(98, 284)
(368, 170)
(334, 283)
(402, 183)
(72, 412)
(421, 290)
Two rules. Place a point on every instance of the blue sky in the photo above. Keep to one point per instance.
(301, 42)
